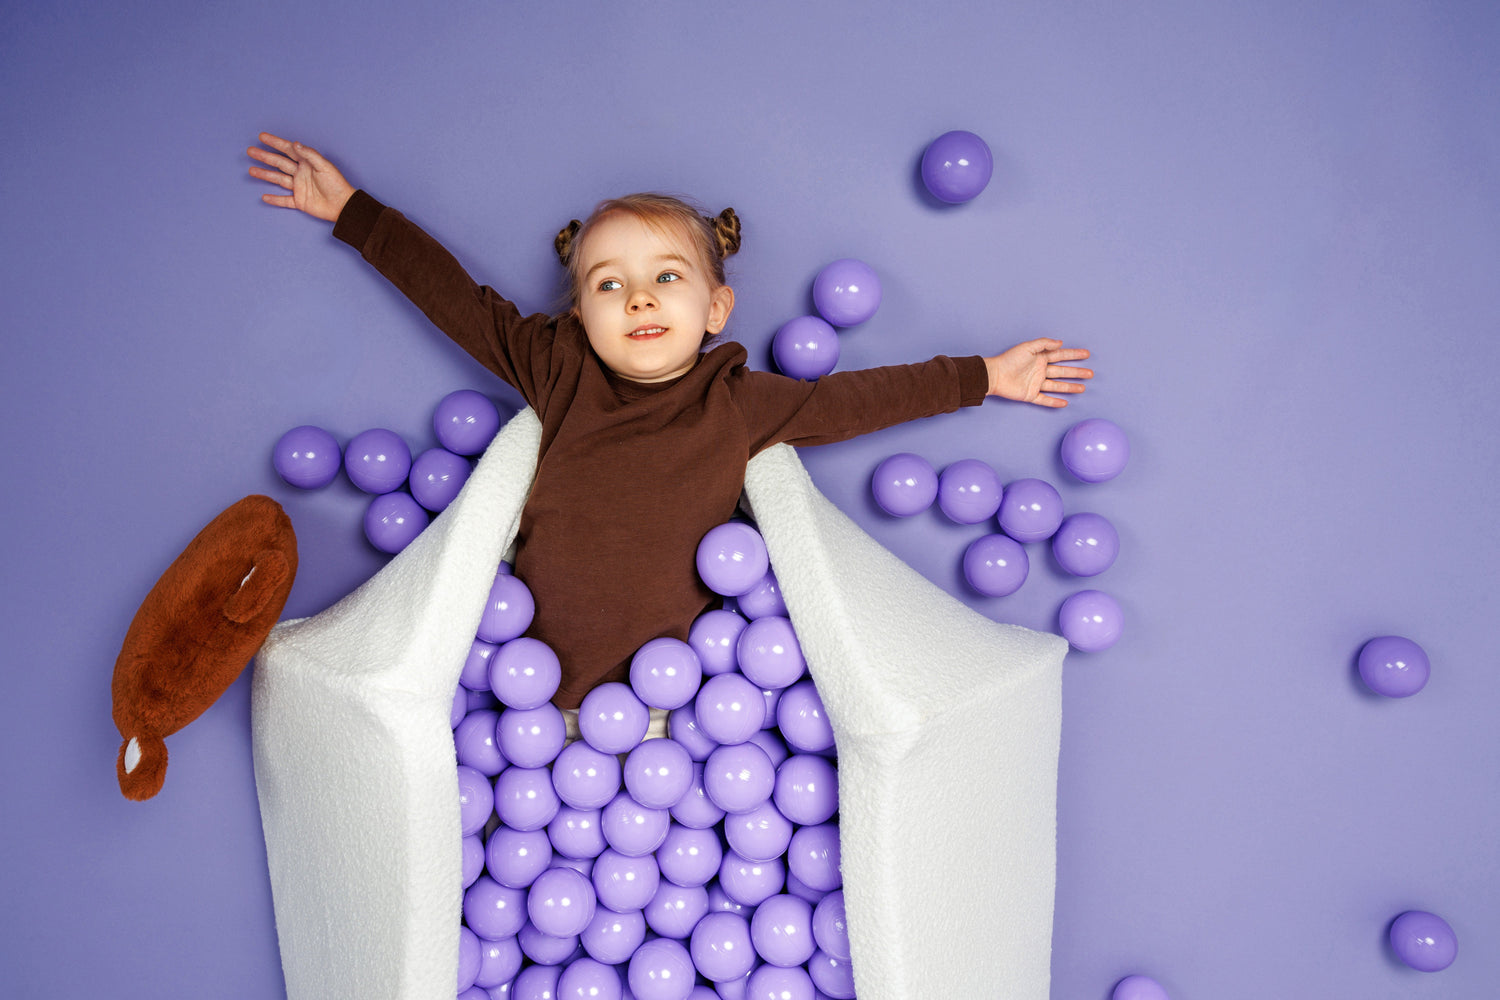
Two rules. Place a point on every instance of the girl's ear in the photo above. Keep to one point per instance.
(720, 305)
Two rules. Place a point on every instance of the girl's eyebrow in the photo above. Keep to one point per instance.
(665, 258)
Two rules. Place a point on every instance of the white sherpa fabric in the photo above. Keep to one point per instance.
(947, 725)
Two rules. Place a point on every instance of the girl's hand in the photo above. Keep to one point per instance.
(316, 185)
(1028, 370)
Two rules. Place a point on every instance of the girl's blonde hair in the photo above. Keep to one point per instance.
(713, 237)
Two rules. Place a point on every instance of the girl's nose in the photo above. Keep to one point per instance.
(640, 299)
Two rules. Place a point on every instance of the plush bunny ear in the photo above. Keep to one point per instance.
(195, 631)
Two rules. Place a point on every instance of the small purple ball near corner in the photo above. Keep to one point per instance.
(1138, 988)
(1424, 941)
(732, 558)
(307, 457)
(1095, 450)
(846, 292)
(805, 348)
(969, 491)
(465, 421)
(830, 926)
(508, 610)
(996, 565)
(377, 460)
(1086, 544)
(904, 484)
(1394, 666)
(1030, 510)
(436, 477)
(393, 521)
(956, 166)
(1091, 621)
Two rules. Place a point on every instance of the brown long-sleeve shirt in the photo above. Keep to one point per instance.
(631, 475)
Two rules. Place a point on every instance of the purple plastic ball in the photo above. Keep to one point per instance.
(465, 422)
(514, 858)
(738, 777)
(460, 707)
(729, 709)
(507, 611)
(475, 745)
(996, 565)
(689, 857)
(1394, 666)
(476, 671)
(494, 911)
(560, 902)
(695, 809)
(586, 778)
(499, 961)
(658, 773)
(632, 829)
(751, 883)
(814, 856)
(393, 521)
(803, 722)
(307, 457)
(1138, 988)
(612, 719)
(769, 654)
(531, 737)
(774, 982)
(675, 909)
(682, 724)
(547, 949)
(969, 491)
(732, 558)
(613, 937)
(1030, 510)
(1424, 941)
(661, 969)
(770, 740)
(576, 834)
(665, 673)
(625, 883)
(1095, 450)
(524, 672)
(721, 947)
(1086, 544)
(846, 292)
(830, 926)
(956, 166)
(377, 460)
(713, 637)
(763, 600)
(476, 799)
(436, 477)
(473, 858)
(805, 348)
(468, 958)
(759, 834)
(807, 789)
(535, 982)
(834, 977)
(904, 484)
(782, 930)
(588, 979)
(1091, 621)
(525, 798)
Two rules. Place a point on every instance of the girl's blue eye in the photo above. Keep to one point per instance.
(609, 285)
(667, 276)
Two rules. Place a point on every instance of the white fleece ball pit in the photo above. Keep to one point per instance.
(947, 725)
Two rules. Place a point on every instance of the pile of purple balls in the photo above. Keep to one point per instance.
(379, 462)
(695, 866)
(1026, 511)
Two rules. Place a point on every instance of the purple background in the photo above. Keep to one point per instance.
(1277, 228)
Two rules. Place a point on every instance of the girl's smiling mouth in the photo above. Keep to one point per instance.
(647, 332)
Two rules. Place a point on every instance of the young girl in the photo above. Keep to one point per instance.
(645, 436)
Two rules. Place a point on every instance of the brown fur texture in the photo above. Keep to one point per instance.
(195, 631)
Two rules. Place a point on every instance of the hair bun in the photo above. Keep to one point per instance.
(563, 244)
(726, 227)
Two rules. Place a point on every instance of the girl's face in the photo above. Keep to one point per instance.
(645, 300)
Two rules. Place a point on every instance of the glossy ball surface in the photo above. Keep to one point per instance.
(1394, 666)
(969, 491)
(307, 457)
(805, 348)
(846, 292)
(377, 460)
(1086, 544)
(1424, 941)
(1030, 510)
(465, 422)
(956, 166)
(393, 521)
(1091, 621)
(732, 558)
(1095, 450)
(996, 565)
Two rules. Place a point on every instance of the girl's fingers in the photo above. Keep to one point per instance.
(1064, 371)
(1051, 386)
(1067, 354)
(272, 160)
(1050, 401)
(276, 142)
(279, 200)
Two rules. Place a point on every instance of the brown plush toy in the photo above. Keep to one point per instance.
(196, 630)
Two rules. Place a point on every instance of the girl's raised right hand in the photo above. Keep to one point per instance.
(316, 185)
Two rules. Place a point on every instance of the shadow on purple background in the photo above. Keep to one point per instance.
(1276, 229)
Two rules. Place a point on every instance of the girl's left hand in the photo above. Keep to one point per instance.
(1027, 371)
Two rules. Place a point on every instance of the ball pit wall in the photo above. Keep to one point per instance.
(928, 699)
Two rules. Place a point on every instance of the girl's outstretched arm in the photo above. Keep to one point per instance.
(316, 185)
(1028, 371)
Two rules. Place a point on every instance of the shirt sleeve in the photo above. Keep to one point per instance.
(477, 318)
(843, 405)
